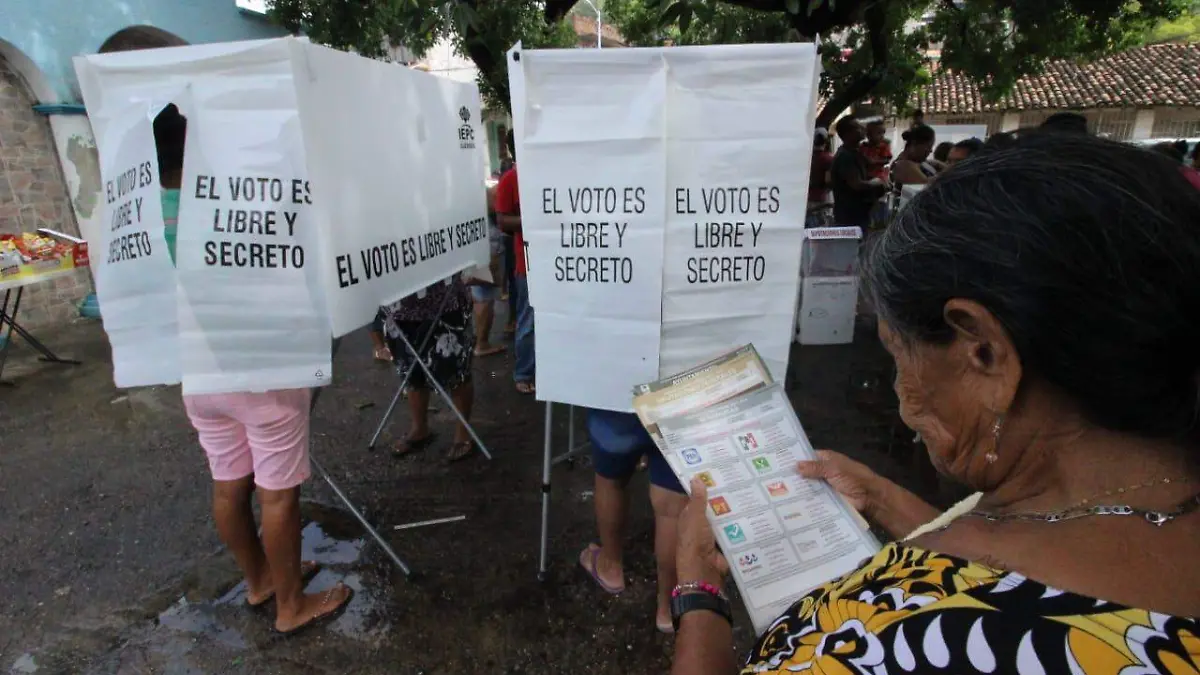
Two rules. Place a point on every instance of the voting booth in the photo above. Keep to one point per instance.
(828, 299)
(679, 236)
(317, 185)
(663, 197)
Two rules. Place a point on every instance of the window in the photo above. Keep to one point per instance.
(1176, 123)
(1117, 124)
(990, 120)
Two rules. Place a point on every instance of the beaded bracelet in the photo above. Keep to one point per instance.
(698, 587)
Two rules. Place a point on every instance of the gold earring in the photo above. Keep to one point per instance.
(991, 456)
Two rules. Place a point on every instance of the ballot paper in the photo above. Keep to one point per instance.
(783, 535)
(724, 377)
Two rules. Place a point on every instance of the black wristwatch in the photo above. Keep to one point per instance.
(699, 600)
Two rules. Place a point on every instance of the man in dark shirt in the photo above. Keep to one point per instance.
(854, 193)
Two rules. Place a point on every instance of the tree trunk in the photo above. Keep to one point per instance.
(876, 22)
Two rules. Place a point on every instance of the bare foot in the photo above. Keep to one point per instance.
(607, 575)
(313, 608)
(489, 350)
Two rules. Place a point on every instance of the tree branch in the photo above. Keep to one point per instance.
(822, 20)
(556, 9)
(878, 38)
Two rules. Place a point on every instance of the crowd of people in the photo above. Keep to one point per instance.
(863, 183)
(1039, 297)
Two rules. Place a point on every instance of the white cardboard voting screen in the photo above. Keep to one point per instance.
(130, 261)
(398, 157)
(663, 205)
(256, 274)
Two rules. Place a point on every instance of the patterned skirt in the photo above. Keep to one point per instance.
(448, 351)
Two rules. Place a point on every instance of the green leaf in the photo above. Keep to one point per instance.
(813, 5)
(793, 6)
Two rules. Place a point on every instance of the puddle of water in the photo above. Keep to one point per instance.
(321, 547)
(25, 664)
(199, 618)
(316, 544)
(199, 638)
(365, 618)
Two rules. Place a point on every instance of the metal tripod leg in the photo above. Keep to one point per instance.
(387, 414)
(546, 452)
(446, 397)
(342, 495)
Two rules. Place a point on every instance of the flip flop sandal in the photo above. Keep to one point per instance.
(665, 628)
(526, 388)
(308, 570)
(408, 446)
(594, 552)
(321, 619)
(460, 451)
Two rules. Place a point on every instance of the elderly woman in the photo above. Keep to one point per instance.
(1042, 305)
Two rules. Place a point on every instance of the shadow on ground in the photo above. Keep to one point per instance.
(109, 563)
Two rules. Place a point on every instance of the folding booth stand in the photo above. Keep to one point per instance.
(548, 462)
(387, 548)
(417, 352)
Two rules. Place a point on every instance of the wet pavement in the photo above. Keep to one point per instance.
(109, 563)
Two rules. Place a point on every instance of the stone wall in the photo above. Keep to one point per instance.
(33, 194)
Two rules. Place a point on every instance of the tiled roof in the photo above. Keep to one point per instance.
(1154, 75)
(585, 27)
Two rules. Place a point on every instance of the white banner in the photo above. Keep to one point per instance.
(739, 148)
(258, 264)
(135, 281)
(399, 158)
(592, 169)
(252, 312)
(672, 181)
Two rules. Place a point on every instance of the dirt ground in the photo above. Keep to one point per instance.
(109, 562)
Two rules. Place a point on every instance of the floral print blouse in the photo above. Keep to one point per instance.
(908, 610)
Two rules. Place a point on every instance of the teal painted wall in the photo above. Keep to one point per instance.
(50, 32)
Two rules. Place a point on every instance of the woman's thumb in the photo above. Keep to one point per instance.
(813, 469)
(699, 493)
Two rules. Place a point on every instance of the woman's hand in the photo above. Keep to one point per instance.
(853, 480)
(697, 557)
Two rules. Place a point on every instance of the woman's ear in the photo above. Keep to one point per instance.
(984, 350)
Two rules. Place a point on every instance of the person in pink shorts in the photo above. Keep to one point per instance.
(254, 440)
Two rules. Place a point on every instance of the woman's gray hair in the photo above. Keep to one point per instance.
(1088, 253)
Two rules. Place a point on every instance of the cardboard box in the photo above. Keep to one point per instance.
(827, 305)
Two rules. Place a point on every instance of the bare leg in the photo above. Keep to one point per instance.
(379, 347)
(667, 507)
(612, 510)
(464, 399)
(234, 515)
(418, 410)
(485, 315)
(281, 539)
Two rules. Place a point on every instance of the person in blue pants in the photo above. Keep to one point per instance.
(619, 442)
